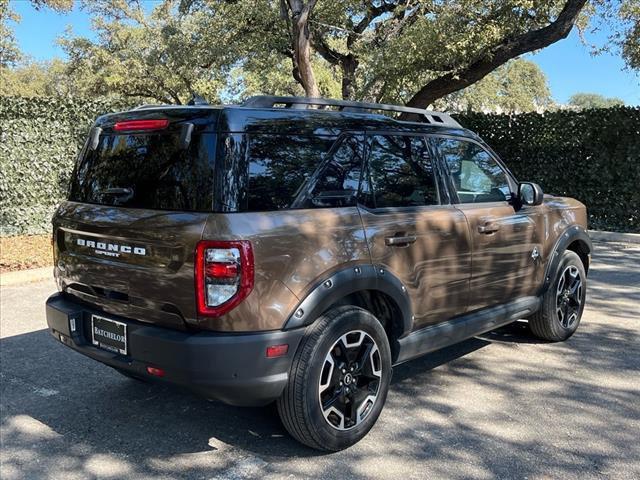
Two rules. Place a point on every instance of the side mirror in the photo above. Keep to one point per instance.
(530, 193)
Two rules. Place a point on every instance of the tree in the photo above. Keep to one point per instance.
(585, 101)
(396, 51)
(391, 50)
(622, 18)
(9, 51)
(33, 79)
(301, 45)
(417, 51)
(629, 40)
(518, 86)
(18, 74)
(159, 54)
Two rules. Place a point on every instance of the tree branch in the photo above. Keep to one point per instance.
(499, 55)
(373, 12)
(329, 54)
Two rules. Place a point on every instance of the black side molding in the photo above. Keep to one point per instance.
(456, 330)
(350, 280)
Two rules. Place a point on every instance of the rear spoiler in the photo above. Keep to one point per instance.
(185, 136)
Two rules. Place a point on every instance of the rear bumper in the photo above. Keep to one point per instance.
(232, 368)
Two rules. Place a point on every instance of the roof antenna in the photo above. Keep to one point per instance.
(197, 100)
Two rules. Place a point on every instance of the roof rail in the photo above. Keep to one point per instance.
(268, 101)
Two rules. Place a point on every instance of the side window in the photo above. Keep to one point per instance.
(401, 172)
(279, 166)
(336, 183)
(477, 177)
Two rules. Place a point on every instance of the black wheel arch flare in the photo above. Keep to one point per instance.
(353, 279)
(570, 235)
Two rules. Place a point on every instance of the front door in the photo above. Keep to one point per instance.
(505, 241)
(412, 230)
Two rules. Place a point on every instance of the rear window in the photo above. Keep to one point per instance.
(151, 170)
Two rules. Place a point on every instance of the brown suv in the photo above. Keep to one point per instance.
(272, 251)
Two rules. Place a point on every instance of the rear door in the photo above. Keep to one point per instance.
(412, 229)
(139, 199)
(503, 238)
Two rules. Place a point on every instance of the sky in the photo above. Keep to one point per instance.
(569, 66)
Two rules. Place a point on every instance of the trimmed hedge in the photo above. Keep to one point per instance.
(593, 156)
(39, 142)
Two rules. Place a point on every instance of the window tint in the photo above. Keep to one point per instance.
(477, 177)
(151, 171)
(336, 183)
(401, 172)
(279, 165)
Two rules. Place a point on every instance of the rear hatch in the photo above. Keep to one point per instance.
(139, 199)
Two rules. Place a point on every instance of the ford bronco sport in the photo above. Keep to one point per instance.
(271, 251)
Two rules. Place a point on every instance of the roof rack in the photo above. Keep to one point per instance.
(268, 101)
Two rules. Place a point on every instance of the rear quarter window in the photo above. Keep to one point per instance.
(278, 166)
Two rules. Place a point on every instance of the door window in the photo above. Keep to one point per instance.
(476, 175)
(400, 172)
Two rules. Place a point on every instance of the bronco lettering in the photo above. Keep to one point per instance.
(110, 249)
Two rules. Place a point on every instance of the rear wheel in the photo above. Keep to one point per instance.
(338, 381)
(563, 303)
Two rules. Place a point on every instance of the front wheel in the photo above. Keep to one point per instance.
(563, 303)
(338, 381)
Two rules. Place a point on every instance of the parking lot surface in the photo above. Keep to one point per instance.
(503, 405)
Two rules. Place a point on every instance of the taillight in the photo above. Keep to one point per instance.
(224, 275)
(131, 125)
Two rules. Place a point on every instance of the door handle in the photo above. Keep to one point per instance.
(400, 241)
(488, 227)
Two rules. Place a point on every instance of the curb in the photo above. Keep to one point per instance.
(25, 276)
(602, 236)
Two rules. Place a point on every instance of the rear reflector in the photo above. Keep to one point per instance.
(130, 125)
(156, 372)
(277, 350)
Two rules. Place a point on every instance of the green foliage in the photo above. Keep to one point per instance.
(37, 79)
(39, 142)
(593, 155)
(9, 51)
(517, 87)
(622, 20)
(594, 100)
(630, 40)
(167, 53)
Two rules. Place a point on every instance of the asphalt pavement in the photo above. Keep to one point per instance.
(503, 405)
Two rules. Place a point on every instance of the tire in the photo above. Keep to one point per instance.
(317, 376)
(563, 302)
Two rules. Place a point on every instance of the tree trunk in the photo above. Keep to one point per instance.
(348, 65)
(302, 69)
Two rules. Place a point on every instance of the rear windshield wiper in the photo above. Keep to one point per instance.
(123, 195)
